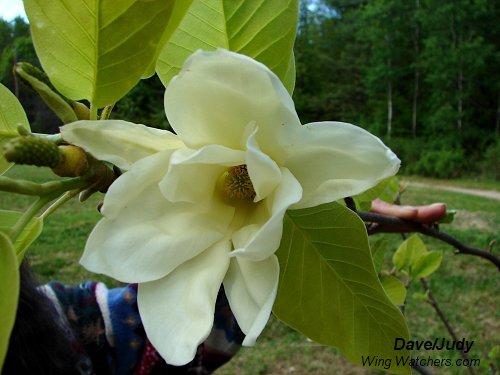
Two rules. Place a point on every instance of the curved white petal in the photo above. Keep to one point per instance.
(334, 160)
(251, 290)
(143, 236)
(218, 93)
(178, 310)
(193, 174)
(119, 142)
(260, 236)
(263, 171)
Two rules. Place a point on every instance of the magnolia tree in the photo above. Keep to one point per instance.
(241, 194)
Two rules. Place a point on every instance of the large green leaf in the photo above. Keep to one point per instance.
(8, 219)
(262, 29)
(97, 50)
(329, 289)
(11, 117)
(9, 293)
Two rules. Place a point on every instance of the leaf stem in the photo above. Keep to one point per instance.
(31, 188)
(59, 202)
(93, 112)
(28, 215)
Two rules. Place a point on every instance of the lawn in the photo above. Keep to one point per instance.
(466, 287)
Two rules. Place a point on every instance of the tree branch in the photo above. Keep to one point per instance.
(443, 318)
(390, 224)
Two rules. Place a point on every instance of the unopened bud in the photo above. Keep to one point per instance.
(74, 162)
(81, 110)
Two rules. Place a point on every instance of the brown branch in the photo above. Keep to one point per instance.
(380, 223)
(443, 318)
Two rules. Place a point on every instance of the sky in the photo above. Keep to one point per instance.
(9, 9)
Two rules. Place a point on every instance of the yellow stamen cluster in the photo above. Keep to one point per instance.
(237, 183)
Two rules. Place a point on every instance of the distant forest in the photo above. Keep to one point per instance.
(424, 75)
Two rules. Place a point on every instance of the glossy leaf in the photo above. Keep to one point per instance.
(12, 116)
(394, 289)
(262, 29)
(8, 219)
(328, 287)
(9, 293)
(97, 50)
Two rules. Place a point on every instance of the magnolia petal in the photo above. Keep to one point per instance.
(251, 289)
(334, 160)
(143, 236)
(193, 174)
(178, 310)
(263, 171)
(261, 236)
(218, 93)
(119, 142)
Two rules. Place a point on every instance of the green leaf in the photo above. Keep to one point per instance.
(178, 12)
(97, 50)
(449, 217)
(386, 190)
(426, 264)
(9, 293)
(378, 251)
(408, 252)
(364, 200)
(8, 219)
(329, 289)
(413, 258)
(12, 116)
(394, 289)
(262, 29)
(53, 100)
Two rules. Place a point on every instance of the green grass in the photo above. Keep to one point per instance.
(466, 287)
(474, 183)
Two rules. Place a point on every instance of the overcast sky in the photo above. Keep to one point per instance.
(9, 9)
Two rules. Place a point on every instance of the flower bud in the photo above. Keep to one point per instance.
(74, 162)
(33, 151)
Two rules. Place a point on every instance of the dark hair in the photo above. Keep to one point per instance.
(38, 344)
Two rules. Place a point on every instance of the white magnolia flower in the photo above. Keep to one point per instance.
(205, 207)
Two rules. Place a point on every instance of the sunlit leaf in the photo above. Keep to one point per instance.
(364, 200)
(409, 251)
(329, 289)
(8, 219)
(413, 258)
(394, 289)
(9, 293)
(178, 12)
(12, 116)
(426, 264)
(449, 217)
(262, 29)
(97, 50)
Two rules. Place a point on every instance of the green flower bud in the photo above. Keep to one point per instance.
(33, 151)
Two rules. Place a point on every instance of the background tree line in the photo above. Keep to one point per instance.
(421, 74)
